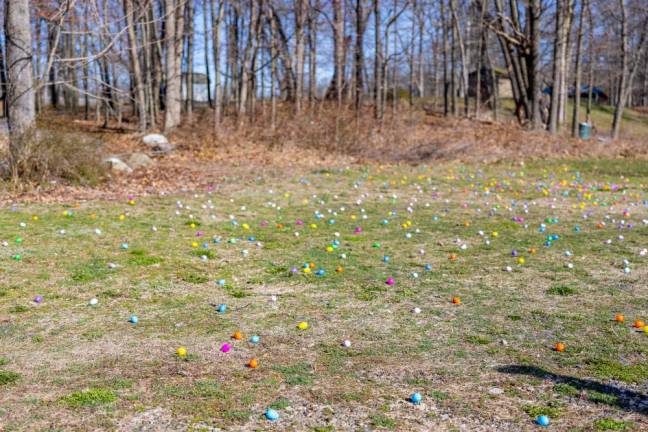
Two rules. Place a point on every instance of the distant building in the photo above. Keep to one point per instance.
(504, 87)
(200, 87)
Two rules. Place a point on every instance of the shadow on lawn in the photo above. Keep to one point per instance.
(623, 398)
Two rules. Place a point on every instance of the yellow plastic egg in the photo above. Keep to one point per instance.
(302, 325)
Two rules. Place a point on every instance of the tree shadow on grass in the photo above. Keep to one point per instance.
(625, 399)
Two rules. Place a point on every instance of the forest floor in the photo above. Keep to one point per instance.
(439, 230)
(322, 138)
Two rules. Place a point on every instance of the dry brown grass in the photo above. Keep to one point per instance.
(325, 136)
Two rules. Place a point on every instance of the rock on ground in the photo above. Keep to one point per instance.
(118, 166)
(158, 143)
(138, 160)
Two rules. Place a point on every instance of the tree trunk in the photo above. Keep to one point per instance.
(628, 71)
(300, 19)
(20, 89)
(190, 61)
(359, 55)
(446, 47)
(378, 62)
(205, 14)
(338, 42)
(557, 56)
(312, 53)
(533, 65)
(462, 56)
(217, 20)
(135, 63)
(577, 72)
(173, 96)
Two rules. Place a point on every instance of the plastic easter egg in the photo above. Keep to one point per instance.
(456, 300)
(514, 253)
(560, 347)
(271, 414)
(237, 335)
(302, 325)
(181, 352)
(19, 240)
(339, 269)
(320, 272)
(390, 281)
(416, 398)
(428, 267)
(124, 246)
(619, 318)
(133, 319)
(93, 302)
(221, 282)
(521, 260)
(225, 348)
(386, 258)
(416, 310)
(16, 257)
(346, 343)
(543, 420)
(222, 308)
(38, 299)
(253, 363)
(639, 324)
(255, 339)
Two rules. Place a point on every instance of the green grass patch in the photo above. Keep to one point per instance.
(631, 374)
(296, 374)
(566, 390)
(551, 409)
(91, 270)
(8, 377)
(89, 398)
(562, 290)
(610, 424)
(381, 421)
(598, 397)
(193, 277)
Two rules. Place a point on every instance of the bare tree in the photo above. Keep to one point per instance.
(20, 88)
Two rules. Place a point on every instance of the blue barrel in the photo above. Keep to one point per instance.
(584, 130)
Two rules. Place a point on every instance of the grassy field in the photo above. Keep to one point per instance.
(563, 229)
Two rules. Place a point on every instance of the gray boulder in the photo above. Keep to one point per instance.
(138, 160)
(117, 165)
(158, 143)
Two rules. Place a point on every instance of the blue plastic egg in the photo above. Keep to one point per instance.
(221, 308)
(133, 319)
(543, 420)
(416, 398)
(255, 339)
(221, 282)
(428, 267)
(271, 414)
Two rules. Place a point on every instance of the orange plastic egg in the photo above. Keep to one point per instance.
(639, 324)
(453, 257)
(619, 318)
(237, 335)
(253, 363)
(456, 300)
(560, 347)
